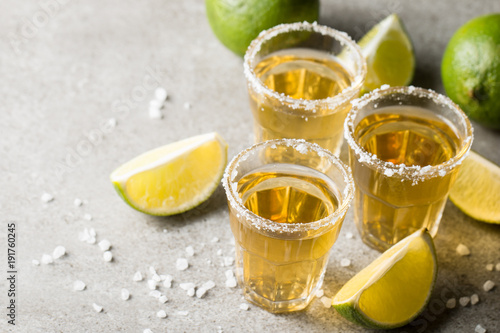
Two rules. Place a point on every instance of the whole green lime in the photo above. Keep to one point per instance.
(237, 22)
(471, 69)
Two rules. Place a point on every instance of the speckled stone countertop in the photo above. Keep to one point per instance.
(67, 67)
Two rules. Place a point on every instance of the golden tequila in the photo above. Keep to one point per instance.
(388, 206)
(276, 268)
(301, 75)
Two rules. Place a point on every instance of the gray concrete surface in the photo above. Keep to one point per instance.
(68, 66)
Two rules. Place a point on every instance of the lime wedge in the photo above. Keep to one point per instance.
(477, 189)
(389, 54)
(393, 289)
(174, 178)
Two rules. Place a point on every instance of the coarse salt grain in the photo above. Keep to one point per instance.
(137, 277)
(165, 230)
(208, 285)
(187, 105)
(107, 256)
(463, 250)
(97, 308)
(47, 259)
(92, 232)
(161, 314)
(87, 217)
(112, 122)
(200, 292)
(163, 299)
(181, 264)
(147, 330)
(125, 294)
(474, 299)
(345, 262)
(182, 313)
(152, 284)
(479, 329)
(47, 197)
(156, 277)
(79, 285)
(320, 293)
(84, 235)
(464, 301)
(161, 94)
(231, 283)
(190, 251)
(244, 306)
(327, 301)
(152, 270)
(155, 293)
(349, 235)
(104, 245)
(451, 303)
(219, 252)
(35, 262)
(186, 285)
(59, 251)
(490, 267)
(488, 285)
(191, 292)
(77, 202)
(229, 274)
(167, 282)
(214, 240)
(228, 261)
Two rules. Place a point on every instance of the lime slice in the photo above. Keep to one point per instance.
(174, 178)
(477, 189)
(393, 289)
(389, 54)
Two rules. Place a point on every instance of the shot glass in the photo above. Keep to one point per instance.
(287, 200)
(406, 145)
(301, 78)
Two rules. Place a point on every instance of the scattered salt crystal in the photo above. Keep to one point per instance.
(152, 284)
(77, 202)
(231, 283)
(155, 293)
(79, 285)
(155, 104)
(474, 299)
(488, 285)
(187, 285)
(47, 259)
(152, 270)
(389, 172)
(112, 122)
(497, 266)
(219, 252)
(137, 277)
(181, 264)
(191, 292)
(125, 294)
(87, 217)
(490, 267)
(190, 251)
(229, 274)
(84, 235)
(91, 240)
(208, 285)
(244, 306)
(479, 329)
(47, 197)
(345, 262)
(97, 308)
(104, 245)
(463, 250)
(182, 313)
(59, 251)
(464, 301)
(451, 303)
(200, 292)
(167, 283)
(349, 235)
(107, 256)
(35, 262)
(161, 314)
(156, 277)
(163, 299)
(327, 301)
(228, 261)
(215, 240)
(161, 94)
(165, 230)
(147, 330)
(320, 293)
(187, 105)
(155, 113)
(92, 232)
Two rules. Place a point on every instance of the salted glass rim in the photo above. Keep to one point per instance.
(334, 101)
(230, 187)
(414, 172)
